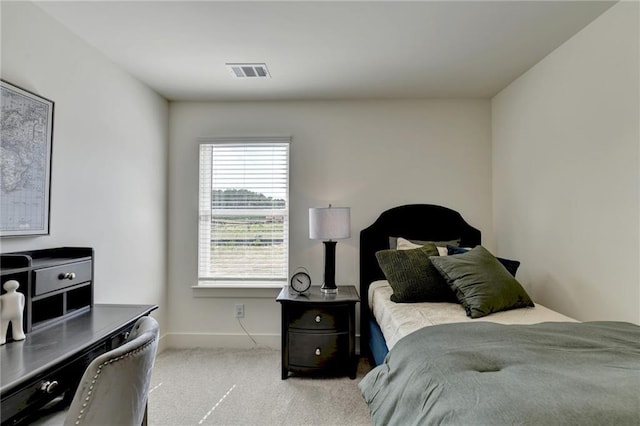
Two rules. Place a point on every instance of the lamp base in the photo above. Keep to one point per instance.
(329, 284)
(328, 290)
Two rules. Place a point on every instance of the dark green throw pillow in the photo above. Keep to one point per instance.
(481, 283)
(511, 265)
(412, 276)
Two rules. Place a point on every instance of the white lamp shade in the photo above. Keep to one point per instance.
(329, 223)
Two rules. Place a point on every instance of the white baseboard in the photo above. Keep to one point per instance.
(216, 340)
(162, 343)
(221, 340)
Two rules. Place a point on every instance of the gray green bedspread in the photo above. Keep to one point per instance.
(494, 374)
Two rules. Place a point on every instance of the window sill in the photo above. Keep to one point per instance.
(254, 290)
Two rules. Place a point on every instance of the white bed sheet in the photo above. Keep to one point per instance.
(396, 320)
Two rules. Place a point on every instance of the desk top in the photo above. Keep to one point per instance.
(44, 348)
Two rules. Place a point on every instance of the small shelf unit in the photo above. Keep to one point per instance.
(56, 282)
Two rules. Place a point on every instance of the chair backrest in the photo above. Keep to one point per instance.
(115, 385)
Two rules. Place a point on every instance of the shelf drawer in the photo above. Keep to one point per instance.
(59, 277)
(334, 318)
(318, 350)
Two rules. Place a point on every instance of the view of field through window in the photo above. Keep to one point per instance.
(258, 237)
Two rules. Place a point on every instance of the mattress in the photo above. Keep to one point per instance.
(397, 320)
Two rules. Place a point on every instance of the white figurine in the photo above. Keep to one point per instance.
(11, 308)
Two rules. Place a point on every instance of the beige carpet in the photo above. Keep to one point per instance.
(243, 387)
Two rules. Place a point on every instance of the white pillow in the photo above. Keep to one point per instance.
(404, 244)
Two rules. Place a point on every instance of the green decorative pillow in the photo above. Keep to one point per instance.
(412, 276)
(511, 265)
(481, 283)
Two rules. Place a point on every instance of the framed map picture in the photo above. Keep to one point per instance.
(26, 127)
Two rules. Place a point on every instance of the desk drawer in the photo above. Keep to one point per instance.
(18, 406)
(59, 277)
(41, 390)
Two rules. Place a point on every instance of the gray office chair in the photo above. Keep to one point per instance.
(115, 386)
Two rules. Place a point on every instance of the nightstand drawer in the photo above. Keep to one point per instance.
(318, 350)
(58, 277)
(334, 318)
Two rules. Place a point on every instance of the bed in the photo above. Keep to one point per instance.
(422, 222)
(525, 364)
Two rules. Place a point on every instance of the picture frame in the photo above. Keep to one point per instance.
(26, 139)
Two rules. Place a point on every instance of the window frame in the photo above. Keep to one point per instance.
(239, 282)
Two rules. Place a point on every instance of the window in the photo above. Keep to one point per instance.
(244, 211)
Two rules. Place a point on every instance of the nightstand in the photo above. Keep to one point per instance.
(319, 332)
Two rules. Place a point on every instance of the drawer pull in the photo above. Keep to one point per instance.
(318, 318)
(49, 386)
(318, 351)
(67, 276)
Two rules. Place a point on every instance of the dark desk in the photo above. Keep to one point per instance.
(51, 360)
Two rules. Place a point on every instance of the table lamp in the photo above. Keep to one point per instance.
(329, 223)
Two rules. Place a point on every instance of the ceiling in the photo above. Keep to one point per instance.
(325, 49)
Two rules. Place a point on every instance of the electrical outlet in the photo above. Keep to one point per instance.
(239, 310)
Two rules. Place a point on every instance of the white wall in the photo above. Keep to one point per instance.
(567, 127)
(369, 156)
(566, 172)
(109, 173)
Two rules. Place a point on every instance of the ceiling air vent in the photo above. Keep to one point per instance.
(249, 70)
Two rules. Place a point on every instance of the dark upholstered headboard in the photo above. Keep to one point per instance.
(423, 222)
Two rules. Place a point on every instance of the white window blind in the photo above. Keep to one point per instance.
(244, 210)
